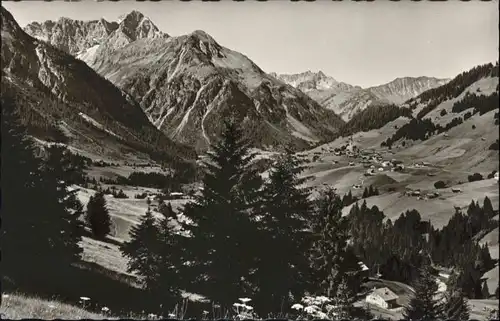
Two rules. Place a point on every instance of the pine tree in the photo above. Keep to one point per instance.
(143, 251)
(98, 216)
(286, 211)
(485, 291)
(222, 249)
(170, 255)
(343, 304)
(456, 305)
(365, 193)
(488, 208)
(424, 304)
(331, 258)
(166, 210)
(34, 228)
(59, 166)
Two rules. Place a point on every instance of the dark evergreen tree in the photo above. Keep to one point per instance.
(488, 208)
(171, 258)
(332, 260)
(222, 250)
(37, 228)
(283, 268)
(343, 301)
(58, 165)
(143, 251)
(424, 304)
(485, 291)
(166, 210)
(456, 305)
(97, 216)
(365, 193)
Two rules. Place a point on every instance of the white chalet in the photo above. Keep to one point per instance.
(383, 297)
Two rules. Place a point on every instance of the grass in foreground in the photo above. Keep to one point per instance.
(18, 306)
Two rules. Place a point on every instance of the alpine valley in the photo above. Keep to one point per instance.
(152, 175)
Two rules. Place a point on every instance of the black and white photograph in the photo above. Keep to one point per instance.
(236, 160)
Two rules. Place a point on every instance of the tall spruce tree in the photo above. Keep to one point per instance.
(166, 210)
(343, 302)
(35, 224)
(58, 165)
(332, 259)
(98, 216)
(456, 306)
(488, 208)
(283, 267)
(143, 251)
(222, 248)
(485, 291)
(171, 259)
(424, 304)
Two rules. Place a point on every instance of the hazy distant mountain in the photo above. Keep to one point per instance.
(58, 94)
(188, 84)
(310, 81)
(347, 100)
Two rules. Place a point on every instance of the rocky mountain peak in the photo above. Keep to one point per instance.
(137, 26)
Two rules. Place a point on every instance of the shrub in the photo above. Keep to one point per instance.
(494, 146)
(439, 184)
(141, 196)
(491, 175)
(475, 177)
(443, 112)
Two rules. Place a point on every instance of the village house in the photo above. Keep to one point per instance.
(363, 270)
(382, 297)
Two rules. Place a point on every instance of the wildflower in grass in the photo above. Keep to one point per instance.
(171, 315)
(311, 309)
(51, 306)
(84, 300)
(105, 309)
(320, 315)
(245, 300)
(298, 306)
(322, 299)
(5, 296)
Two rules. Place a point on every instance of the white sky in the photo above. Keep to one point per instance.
(361, 43)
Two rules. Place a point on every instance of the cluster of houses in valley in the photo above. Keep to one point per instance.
(421, 195)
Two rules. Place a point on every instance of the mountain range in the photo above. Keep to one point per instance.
(188, 84)
(347, 100)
